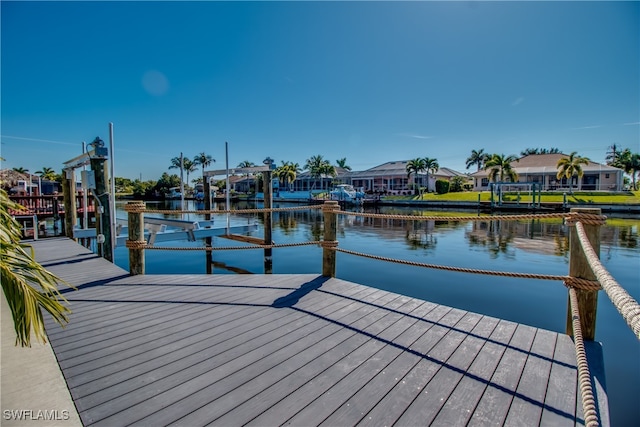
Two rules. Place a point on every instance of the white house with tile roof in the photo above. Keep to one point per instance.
(392, 177)
(542, 169)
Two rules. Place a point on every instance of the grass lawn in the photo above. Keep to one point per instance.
(627, 197)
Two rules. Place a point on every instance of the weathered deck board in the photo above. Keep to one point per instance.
(295, 349)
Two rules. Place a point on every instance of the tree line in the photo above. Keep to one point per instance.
(498, 165)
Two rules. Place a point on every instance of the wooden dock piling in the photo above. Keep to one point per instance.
(208, 241)
(136, 242)
(579, 267)
(69, 192)
(103, 211)
(329, 209)
(268, 221)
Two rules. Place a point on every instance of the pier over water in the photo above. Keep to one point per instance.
(298, 349)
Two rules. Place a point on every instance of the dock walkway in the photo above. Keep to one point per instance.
(298, 350)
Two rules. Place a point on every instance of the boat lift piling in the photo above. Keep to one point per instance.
(268, 220)
(97, 180)
(267, 173)
(208, 240)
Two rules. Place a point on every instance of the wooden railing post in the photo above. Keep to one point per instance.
(579, 267)
(135, 241)
(56, 217)
(268, 220)
(208, 241)
(69, 193)
(329, 209)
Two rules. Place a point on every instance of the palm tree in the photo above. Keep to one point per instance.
(534, 151)
(633, 167)
(21, 170)
(327, 170)
(248, 164)
(47, 173)
(189, 166)
(530, 152)
(478, 157)
(287, 172)
(21, 277)
(569, 166)
(612, 155)
(176, 163)
(314, 166)
(630, 163)
(343, 163)
(430, 165)
(203, 160)
(415, 166)
(501, 169)
(186, 165)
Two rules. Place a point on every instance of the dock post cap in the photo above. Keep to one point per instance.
(135, 206)
(330, 205)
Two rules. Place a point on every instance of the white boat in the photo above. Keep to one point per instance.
(346, 193)
(174, 193)
(199, 192)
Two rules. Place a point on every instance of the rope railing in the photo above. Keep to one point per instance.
(570, 281)
(624, 303)
(232, 211)
(584, 376)
(236, 248)
(332, 245)
(456, 218)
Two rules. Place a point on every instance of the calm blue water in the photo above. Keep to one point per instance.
(534, 247)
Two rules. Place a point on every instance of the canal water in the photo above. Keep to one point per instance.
(534, 246)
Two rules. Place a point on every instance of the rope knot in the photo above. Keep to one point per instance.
(136, 244)
(583, 284)
(135, 207)
(330, 206)
(328, 244)
(585, 218)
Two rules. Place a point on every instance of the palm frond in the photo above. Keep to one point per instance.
(27, 285)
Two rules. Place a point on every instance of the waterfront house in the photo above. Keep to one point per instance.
(306, 182)
(541, 169)
(25, 184)
(391, 177)
(247, 183)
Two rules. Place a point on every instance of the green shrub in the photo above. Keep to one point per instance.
(442, 186)
(457, 184)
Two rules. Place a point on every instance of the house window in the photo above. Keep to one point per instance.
(606, 175)
(485, 182)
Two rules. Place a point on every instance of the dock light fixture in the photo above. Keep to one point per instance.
(269, 162)
(99, 149)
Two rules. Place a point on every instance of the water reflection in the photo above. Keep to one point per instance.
(421, 236)
(504, 237)
(624, 236)
(500, 238)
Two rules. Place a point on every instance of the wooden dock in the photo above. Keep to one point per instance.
(298, 350)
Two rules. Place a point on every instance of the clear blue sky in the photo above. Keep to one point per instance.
(369, 81)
